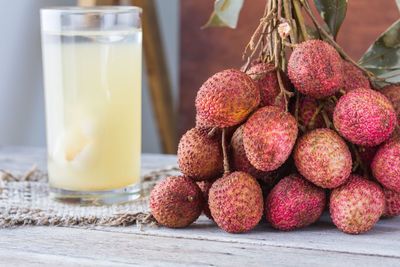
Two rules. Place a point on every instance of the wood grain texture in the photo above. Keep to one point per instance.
(201, 244)
(74, 245)
(204, 52)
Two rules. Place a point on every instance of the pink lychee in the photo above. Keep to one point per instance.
(364, 117)
(392, 207)
(353, 78)
(357, 205)
(392, 92)
(386, 163)
(316, 69)
(323, 158)
(268, 137)
(294, 203)
(266, 78)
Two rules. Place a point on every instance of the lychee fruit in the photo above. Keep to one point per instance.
(236, 202)
(385, 166)
(176, 201)
(294, 203)
(268, 137)
(353, 78)
(205, 189)
(226, 99)
(364, 117)
(241, 163)
(267, 80)
(392, 207)
(199, 155)
(392, 92)
(323, 158)
(316, 69)
(357, 205)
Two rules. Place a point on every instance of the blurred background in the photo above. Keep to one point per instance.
(191, 54)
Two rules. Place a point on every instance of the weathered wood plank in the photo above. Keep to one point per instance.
(383, 240)
(119, 248)
(12, 257)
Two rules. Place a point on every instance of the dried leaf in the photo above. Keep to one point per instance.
(226, 13)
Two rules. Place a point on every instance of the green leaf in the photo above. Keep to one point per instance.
(384, 54)
(398, 4)
(333, 13)
(226, 13)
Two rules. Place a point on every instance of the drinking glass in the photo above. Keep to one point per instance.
(92, 65)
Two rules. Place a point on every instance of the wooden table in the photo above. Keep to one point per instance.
(203, 243)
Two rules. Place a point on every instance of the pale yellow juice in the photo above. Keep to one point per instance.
(93, 109)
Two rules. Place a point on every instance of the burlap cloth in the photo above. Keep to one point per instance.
(24, 200)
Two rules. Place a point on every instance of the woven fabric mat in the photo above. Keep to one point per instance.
(24, 200)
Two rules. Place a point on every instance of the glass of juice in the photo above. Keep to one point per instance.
(92, 62)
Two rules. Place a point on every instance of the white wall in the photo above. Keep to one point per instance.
(22, 120)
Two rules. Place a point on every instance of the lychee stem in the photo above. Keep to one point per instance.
(327, 121)
(225, 152)
(358, 162)
(317, 111)
(262, 27)
(212, 132)
(300, 19)
(287, 7)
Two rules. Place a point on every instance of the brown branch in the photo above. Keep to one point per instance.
(358, 162)
(279, 10)
(316, 112)
(289, 44)
(212, 132)
(287, 7)
(264, 23)
(300, 19)
(327, 121)
(225, 153)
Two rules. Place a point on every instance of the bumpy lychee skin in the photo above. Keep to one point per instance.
(294, 203)
(357, 205)
(176, 202)
(364, 117)
(205, 189)
(392, 92)
(392, 207)
(241, 163)
(199, 155)
(353, 78)
(236, 202)
(266, 78)
(323, 158)
(385, 166)
(316, 69)
(268, 137)
(226, 99)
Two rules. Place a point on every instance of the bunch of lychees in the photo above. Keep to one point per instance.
(288, 145)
